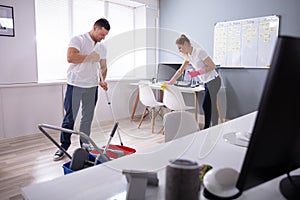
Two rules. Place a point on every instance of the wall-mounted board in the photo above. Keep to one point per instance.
(246, 43)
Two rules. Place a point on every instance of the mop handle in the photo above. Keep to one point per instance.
(109, 103)
(106, 94)
(111, 136)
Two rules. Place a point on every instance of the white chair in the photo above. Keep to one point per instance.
(173, 99)
(147, 98)
(178, 124)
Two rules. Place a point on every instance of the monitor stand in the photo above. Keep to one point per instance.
(290, 189)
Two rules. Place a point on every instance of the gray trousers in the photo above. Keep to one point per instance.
(209, 105)
(75, 96)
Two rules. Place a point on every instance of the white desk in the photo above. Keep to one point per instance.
(194, 90)
(106, 181)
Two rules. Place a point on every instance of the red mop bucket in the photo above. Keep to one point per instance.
(124, 149)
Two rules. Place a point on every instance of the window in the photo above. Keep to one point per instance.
(58, 20)
(120, 60)
(85, 13)
(52, 35)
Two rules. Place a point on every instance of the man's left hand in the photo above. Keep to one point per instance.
(103, 85)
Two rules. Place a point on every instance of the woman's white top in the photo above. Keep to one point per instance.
(196, 59)
(85, 74)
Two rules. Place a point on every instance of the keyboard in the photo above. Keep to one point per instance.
(183, 84)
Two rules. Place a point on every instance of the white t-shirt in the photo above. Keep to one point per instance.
(196, 59)
(85, 74)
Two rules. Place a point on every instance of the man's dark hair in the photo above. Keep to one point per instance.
(102, 23)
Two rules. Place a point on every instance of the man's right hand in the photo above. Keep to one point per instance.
(93, 57)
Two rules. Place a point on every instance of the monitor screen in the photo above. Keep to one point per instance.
(274, 148)
(166, 71)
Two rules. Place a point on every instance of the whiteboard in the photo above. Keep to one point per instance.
(245, 43)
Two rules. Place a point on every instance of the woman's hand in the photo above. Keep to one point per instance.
(196, 73)
(171, 82)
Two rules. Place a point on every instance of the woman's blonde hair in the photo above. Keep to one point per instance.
(182, 39)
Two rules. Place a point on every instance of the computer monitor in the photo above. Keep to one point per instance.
(166, 71)
(274, 147)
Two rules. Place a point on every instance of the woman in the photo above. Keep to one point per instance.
(205, 70)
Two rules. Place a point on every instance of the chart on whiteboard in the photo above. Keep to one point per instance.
(245, 43)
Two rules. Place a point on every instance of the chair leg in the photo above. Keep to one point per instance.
(160, 112)
(143, 115)
(153, 118)
(163, 131)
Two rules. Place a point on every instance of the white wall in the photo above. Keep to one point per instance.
(18, 54)
(1, 117)
(196, 18)
(24, 106)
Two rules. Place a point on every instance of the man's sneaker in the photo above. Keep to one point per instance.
(88, 147)
(59, 154)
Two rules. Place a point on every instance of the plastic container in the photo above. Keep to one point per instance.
(66, 166)
(124, 149)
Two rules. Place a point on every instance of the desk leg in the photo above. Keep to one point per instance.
(196, 105)
(161, 96)
(135, 105)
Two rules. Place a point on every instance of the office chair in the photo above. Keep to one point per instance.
(173, 99)
(147, 98)
(178, 124)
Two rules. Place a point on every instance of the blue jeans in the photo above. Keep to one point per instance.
(88, 98)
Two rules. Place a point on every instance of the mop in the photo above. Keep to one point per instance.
(109, 104)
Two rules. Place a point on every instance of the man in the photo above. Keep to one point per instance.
(85, 54)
